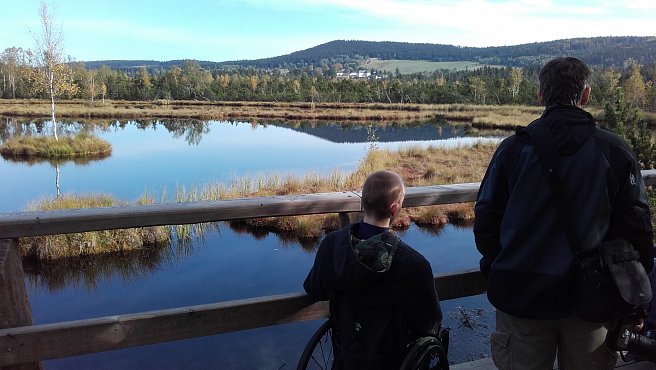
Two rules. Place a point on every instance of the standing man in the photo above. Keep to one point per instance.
(527, 256)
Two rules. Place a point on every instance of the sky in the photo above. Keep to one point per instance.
(223, 30)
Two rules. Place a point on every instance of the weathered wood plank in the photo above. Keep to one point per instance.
(49, 341)
(14, 304)
(440, 194)
(649, 176)
(105, 218)
(346, 218)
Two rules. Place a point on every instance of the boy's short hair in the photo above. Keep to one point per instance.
(379, 191)
(563, 80)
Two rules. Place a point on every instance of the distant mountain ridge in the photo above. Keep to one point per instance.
(597, 51)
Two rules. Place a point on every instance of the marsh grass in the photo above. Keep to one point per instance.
(418, 166)
(81, 145)
(53, 247)
(206, 110)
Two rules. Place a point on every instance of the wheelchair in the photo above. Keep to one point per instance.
(425, 353)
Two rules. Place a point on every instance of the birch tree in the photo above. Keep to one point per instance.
(52, 76)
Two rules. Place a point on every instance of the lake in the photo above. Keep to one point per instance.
(160, 156)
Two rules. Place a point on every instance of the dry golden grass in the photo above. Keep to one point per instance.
(205, 110)
(418, 167)
(81, 145)
(53, 247)
(432, 166)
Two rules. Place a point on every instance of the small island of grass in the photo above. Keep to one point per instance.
(82, 145)
(53, 247)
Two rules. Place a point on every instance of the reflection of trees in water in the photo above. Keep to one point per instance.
(87, 271)
(192, 130)
(11, 127)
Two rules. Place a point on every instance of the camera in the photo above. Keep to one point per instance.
(623, 338)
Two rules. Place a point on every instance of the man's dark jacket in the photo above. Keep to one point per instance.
(526, 255)
(376, 275)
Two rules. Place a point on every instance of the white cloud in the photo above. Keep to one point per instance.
(486, 23)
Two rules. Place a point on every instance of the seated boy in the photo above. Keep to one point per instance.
(382, 292)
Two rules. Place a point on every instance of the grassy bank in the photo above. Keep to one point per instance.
(81, 145)
(53, 247)
(418, 167)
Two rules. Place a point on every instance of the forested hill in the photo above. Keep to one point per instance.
(602, 51)
(598, 51)
(150, 64)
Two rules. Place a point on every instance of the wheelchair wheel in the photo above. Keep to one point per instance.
(318, 353)
(427, 353)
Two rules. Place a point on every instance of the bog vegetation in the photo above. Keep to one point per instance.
(418, 166)
(77, 146)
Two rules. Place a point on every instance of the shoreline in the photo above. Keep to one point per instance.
(507, 116)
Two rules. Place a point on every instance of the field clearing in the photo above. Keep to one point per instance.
(416, 66)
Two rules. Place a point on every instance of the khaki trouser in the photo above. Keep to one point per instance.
(524, 344)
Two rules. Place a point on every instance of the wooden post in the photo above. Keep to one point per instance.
(346, 218)
(14, 305)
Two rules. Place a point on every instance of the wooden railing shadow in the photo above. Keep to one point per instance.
(26, 345)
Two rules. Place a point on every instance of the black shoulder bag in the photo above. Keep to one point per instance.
(609, 281)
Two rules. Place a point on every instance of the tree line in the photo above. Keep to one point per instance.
(21, 77)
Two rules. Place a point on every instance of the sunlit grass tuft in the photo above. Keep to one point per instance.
(80, 145)
(53, 247)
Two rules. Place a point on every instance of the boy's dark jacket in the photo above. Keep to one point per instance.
(377, 275)
(526, 255)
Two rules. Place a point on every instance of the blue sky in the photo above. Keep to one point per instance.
(220, 30)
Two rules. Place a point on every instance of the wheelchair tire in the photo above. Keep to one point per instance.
(318, 353)
(427, 353)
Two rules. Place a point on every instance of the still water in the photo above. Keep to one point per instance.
(226, 264)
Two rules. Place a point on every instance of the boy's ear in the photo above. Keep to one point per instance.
(585, 97)
(540, 98)
(394, 208)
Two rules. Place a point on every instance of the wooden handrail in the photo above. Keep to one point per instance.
(19, 224)
(72, 338)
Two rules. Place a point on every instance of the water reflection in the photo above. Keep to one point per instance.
(78, 161)
(193, 131)
(383, 132)
(89, 271)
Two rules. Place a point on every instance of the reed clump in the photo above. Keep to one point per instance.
(53, 247)
(81, 145)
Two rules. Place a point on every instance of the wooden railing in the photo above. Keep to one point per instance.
(26, 344)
